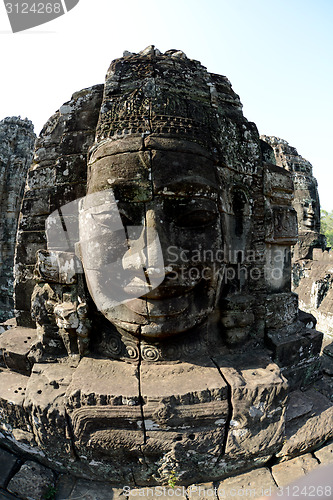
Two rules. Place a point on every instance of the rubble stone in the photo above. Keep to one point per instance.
(8, 462)
(32, 481)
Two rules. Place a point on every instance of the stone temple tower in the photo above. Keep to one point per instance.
(17, 141)
(155, 318)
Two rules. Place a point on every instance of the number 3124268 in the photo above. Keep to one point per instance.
(35, 8)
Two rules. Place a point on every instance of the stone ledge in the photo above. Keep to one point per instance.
(325, 454)
(255, 484)
(288, 472)
(16, 344)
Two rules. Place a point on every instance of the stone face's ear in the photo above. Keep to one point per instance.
(57, 267)
(62, 227)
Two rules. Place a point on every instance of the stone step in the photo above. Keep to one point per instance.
(325, 454)
(69, 488)
(15, 345)
(254, 484)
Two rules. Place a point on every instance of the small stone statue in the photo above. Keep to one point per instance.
(74, 327)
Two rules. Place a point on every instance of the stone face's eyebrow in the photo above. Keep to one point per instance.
(140, 175)
(128, 174)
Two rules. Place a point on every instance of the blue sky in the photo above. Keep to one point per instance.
(277, 55)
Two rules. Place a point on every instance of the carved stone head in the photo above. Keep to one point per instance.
(153, 220)
(306, 198)
(162, 185)
(307, 203)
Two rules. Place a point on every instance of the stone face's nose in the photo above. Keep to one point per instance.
(145, 251)
(135, 257)
(155, 261)
(311, 209)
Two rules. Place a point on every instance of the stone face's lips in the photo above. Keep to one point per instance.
(168, 291)
(165, 306)
(28, 14)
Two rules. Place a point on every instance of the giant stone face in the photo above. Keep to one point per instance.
(307, 204)
(150, 229)
(306, 198)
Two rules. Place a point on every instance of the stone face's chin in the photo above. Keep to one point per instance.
(309, 223)
(165, 316)
(163, 327)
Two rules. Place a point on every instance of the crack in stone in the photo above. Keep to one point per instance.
(140, 393)
(71, 437)
(230, 412)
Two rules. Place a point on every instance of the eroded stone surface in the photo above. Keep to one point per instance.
(45, 404)
(15, 345)
(303, 471)
(187, 425)
(310, 431)
(258, 401)
(13, 387)
(105, 415)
